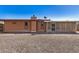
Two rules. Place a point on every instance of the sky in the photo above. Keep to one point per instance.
(53, 12)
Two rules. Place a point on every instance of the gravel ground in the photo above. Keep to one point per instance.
(39, 43)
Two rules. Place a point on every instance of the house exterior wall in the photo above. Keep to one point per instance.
(64, 26)
(27, 28)
(16, 26)
(19, 26)
(48, 26)
(33, 26)
(41, 26)
(38, 26)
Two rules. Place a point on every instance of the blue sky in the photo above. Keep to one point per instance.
(53, 12)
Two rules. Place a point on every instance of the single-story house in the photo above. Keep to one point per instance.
(25, 25)
(39, 25)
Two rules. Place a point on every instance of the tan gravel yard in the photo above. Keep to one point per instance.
(39, 43)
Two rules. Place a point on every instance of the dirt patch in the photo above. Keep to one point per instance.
(39, 43)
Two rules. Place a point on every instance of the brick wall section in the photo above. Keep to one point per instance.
(40, 28)
(19, 26)
(33, 26)
(15, 26)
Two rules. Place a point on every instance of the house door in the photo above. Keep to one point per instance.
(26, 26)
(1, 27)
(53, 28)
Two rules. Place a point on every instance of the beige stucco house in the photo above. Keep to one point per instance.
(62, 26)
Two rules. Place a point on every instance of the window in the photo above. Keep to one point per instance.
(42, 24)
(53, 27)
(78, 27)
(26, 24)
(14, 23)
